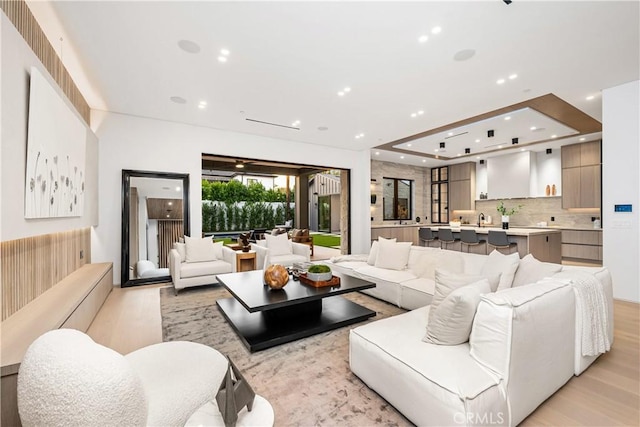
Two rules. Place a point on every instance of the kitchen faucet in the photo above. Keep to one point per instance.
(480, 218)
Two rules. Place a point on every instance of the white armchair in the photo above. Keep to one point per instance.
(279, 250)
(68, 379)
(199, 269)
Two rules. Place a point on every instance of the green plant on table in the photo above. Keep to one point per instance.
(502, 210)
(319, 268)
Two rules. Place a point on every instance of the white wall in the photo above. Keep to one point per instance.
(16, 61)
(621, 185)
(508, 176)
(549, 172)
(128, 142)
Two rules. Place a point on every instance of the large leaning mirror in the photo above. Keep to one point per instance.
(155, 214)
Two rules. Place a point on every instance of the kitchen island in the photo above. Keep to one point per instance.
(543, 243)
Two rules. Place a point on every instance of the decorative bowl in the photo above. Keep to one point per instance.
(319, 277)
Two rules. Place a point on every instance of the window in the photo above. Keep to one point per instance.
(396, 195)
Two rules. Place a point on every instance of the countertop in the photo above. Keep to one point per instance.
(531, 227)
(520, 231)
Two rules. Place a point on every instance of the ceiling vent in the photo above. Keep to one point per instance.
(490, 133)
(271, 124)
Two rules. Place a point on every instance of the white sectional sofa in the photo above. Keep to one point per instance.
(526, 337)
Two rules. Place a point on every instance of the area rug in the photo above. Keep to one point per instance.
(308, 382)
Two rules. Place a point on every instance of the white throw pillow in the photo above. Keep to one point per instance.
(531, 270)
(182, 250)
(447, 282)
(201, 250)
(505, 265)
(393, 255)
(373, 253)
(450, 323)
(278, 245)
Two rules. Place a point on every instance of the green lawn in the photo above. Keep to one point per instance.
(327, 241)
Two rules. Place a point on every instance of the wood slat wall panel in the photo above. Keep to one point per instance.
(19, 14)
(32, 265)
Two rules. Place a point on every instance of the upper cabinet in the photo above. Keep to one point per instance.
(581, 175)
(462, 186)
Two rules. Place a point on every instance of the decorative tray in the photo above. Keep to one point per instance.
(334, 281)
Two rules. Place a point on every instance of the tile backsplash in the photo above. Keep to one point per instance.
(535, 210)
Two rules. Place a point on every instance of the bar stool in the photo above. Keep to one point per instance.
(499, 240)
(445, 235)
(470, 238)
(426, 236)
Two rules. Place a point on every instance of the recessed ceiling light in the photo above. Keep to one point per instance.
(436, 150)
(168, 216)
(402, 157)
(341, 93)
(499, 146)
(513, 76)
(450, 134)
(458, 155)
(202, 105)
(170, 203)
(360, 135)
(554, 136)
(477, 157)
(347, 89)
(408, 145)
(582, 139)
(222, 58)
(533, 128)
(189, 46)
(424, 160)
(522, 149)
(420, 112)
(414, 114)
(500, 81)
(590, 97)
(224, 52)
(436, 30)
(178, 189)
(377, 153)
(423, 38)
(477, 140)
(508, 118)
(178, 100)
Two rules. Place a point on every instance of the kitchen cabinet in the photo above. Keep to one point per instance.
(462, 186)
(582, 244)
(581, 175)
(546, 247)
(408, 233)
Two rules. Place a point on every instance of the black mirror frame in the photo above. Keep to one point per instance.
(127, 174)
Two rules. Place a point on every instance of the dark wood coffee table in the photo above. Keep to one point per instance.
(265, 318)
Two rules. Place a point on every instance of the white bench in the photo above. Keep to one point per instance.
(71, 303)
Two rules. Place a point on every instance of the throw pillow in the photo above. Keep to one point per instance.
(447, 282)
(505, 265)
(200, 250)
(393, 255)
(182, 250)
(278, 245)
(373, 253)
(451, 321)
(531, 270)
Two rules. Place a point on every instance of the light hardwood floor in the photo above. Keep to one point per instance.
(606, 394)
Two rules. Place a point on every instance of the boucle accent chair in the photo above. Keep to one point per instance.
(68, 379)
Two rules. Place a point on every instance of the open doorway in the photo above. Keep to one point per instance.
(241, 195)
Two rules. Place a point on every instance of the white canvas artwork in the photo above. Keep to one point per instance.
(56, 144)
